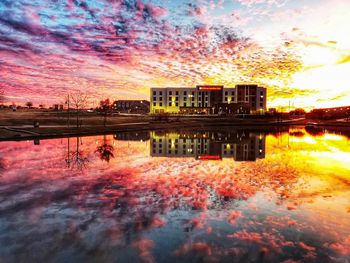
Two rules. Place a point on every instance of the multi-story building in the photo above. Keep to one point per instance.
(209, 99)
(252, 95)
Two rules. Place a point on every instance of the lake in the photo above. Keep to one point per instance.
(219, 195)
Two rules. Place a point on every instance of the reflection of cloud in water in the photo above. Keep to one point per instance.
(273, 209)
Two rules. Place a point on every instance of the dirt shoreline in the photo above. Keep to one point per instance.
(17, 126)
(16, 134)
(62, 132)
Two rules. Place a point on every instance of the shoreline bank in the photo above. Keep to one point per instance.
(19, 133)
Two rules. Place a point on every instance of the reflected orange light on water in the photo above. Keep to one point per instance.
(284, 205)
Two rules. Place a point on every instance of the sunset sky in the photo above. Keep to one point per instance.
(298, 49)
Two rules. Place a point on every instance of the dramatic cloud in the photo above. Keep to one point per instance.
(122, 48)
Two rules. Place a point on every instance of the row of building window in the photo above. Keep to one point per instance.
(176, 104)
(183, 140)
(184, 93)
(232, 99)
(206, 93)
(183, 146)
(176, 151)
(177, 98)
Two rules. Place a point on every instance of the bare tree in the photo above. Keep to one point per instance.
(2, 96)
(76, 158)
(29, 104)
(79, 101)
(105, 107)
(105, 150)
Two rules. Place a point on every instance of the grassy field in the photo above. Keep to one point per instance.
(45, 117)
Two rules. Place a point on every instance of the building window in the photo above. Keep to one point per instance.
(225, 98)
(177, 104)
(192, 99)
(226, 93)
(192, 104)
(261, 104)
(154, 98)
(233, 93)
(185, 104)
(185, 98)
(177, 98)
(185, 93)
(160, 98)
(160, 151)
(160, 104)
(154, 93)
(154, 104)
(177, 93)
(169, 104)
(261, 93)
(193, 93)
(160, 93)
(170, 93)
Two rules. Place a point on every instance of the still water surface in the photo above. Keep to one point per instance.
(201, 196)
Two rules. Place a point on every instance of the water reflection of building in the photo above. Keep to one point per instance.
(132, 136)
(240, 145)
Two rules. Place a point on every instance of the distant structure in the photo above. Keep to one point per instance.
(132, 136)
(209, 99)
(58, 107)
(131, 106)
(330, 113)
(239, 145)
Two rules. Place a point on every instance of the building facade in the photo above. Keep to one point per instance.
(209, 99)
(132, 106)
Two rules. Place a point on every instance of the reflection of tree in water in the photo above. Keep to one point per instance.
(105, 150)
(2, 165)
(120, 206)
(76, 158)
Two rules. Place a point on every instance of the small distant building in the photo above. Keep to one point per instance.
(330, 113)
(58, 107)
(272, 110)
(131, 106)
(209, 99)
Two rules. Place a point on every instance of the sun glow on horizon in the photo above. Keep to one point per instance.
(122, 49)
